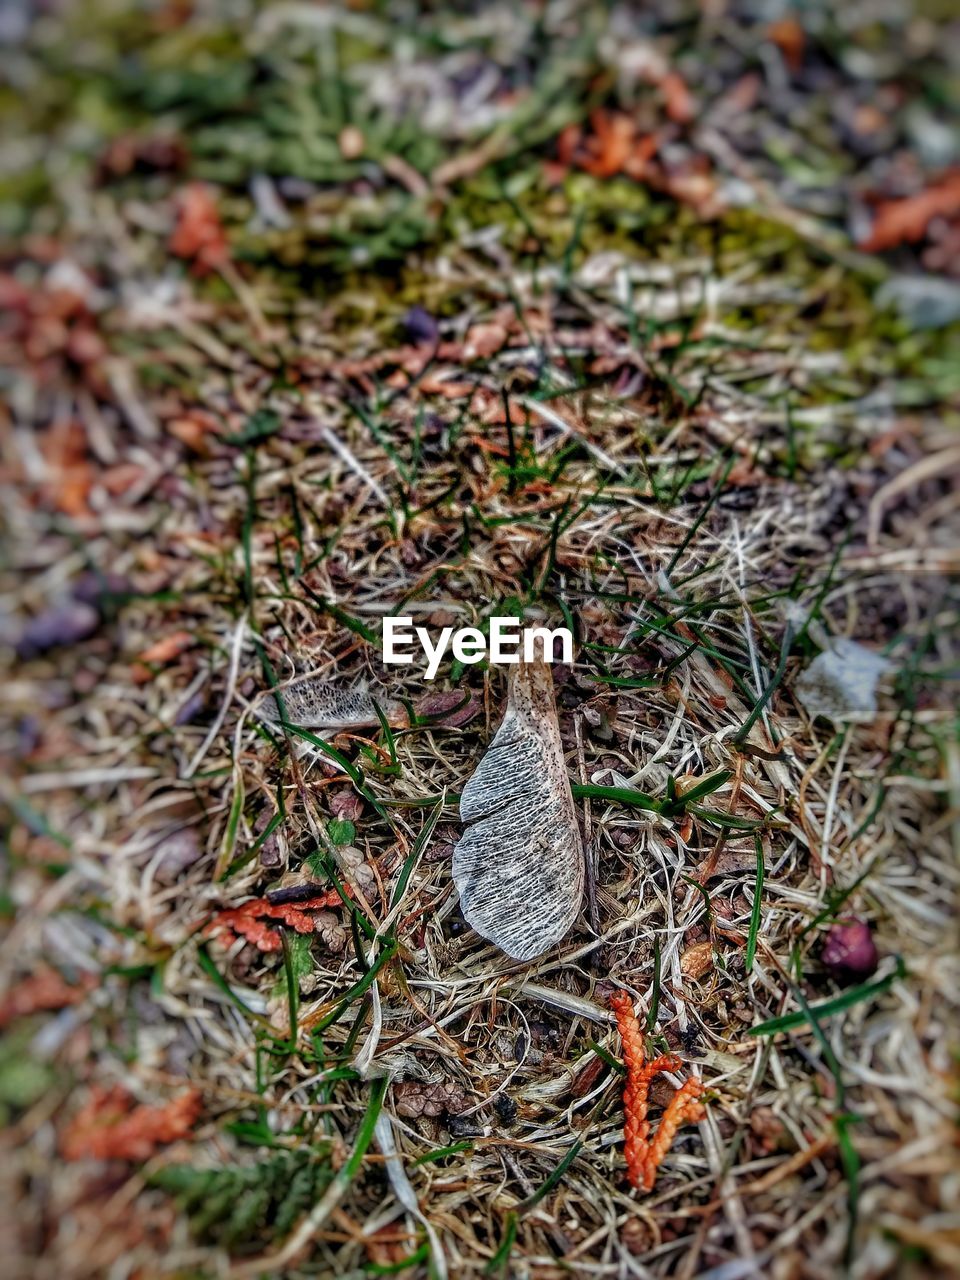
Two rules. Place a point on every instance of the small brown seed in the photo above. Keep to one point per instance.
(697, 960)
(352, 142)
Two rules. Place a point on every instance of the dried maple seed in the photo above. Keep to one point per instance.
(519, 865)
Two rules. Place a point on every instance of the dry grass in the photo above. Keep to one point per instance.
(681, 498)
(763, 1177)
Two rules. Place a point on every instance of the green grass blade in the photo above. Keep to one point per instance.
(502, 1256)
(420, 844)
(655, 993)
(552, 1181)
(826, 1009)
(394, 1268)
(617, 795)
(679, 800)
(357, 990)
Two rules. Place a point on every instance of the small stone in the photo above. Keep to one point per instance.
(176, 853)
(420, 326)
(923, 301)
(840, 684)
(101, 590)
(60, 625)
(351, 142)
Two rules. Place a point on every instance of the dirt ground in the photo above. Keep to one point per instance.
(641, 321)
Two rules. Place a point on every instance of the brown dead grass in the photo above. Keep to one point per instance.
(115, 771)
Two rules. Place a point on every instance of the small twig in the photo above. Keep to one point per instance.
(354, 464)
(235, 652)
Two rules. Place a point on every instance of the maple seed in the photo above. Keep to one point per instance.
(316, 703)
(519, 865)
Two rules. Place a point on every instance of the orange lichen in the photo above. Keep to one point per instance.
(644, 1157)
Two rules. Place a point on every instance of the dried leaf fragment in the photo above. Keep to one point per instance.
(167, 648)
(519, 864)
(69, 472)
(905, 220)
(697, 960)
(677, 99)
(450, 709)
(43, 990)
(198, 234)
(841, 682)
(251, 920)
(346, 805)
(110, 1127)
(791, 39)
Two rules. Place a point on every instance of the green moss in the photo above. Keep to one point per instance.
(23, 1080)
